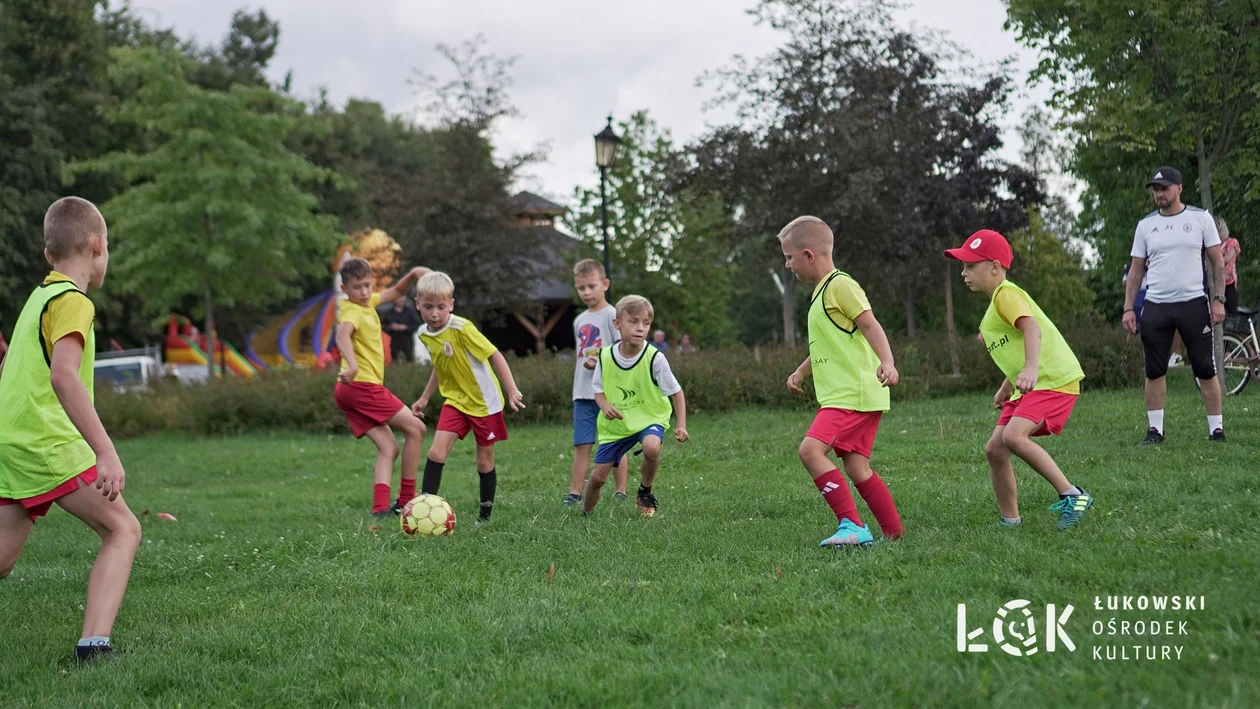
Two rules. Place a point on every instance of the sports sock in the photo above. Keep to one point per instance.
(95, 640)
(1013, 520)
(1156, 420)
(488, 482)
(1072, 491)
(1215, 422)
(880, 500)
(89, 648)
(407, 491)
(380, 497)
(835, 490)
(645, 490)
(432, 477)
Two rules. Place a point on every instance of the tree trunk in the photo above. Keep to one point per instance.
(912, 323)
(1205, 194)
(209, 335)
(789, 309)
(955, 368)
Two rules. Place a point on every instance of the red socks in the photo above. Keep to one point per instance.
(835, 490)
(380, 497)
(407, 492)
(880, 500)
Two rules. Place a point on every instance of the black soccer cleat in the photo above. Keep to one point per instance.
(1153, 437)
(92, 653)
(647, 504)
(1218, 436)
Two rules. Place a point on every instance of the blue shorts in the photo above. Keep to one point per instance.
(612, 452)
(585, 417)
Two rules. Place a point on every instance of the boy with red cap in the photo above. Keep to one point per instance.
(1043, 379)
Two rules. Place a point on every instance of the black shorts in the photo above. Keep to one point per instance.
(1193, 320)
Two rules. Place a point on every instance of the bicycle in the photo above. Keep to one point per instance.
(1242, 351)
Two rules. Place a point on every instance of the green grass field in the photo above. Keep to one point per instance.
(273, 589)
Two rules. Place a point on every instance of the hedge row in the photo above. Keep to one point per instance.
(714, 381)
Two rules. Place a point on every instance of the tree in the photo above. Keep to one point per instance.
(217, 209)
(1170, 79)
(667, 244)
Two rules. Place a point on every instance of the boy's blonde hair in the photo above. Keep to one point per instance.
(436, 284)
(634, 305)
(808, 233)
(354, 269)
(69, 225)
(589, 267)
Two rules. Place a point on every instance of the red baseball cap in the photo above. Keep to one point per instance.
(984, 245)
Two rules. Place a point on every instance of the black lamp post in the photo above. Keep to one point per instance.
(606, 144)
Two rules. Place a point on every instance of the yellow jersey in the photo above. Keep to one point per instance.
(369, 350)
(461, 359)
(1011, 304)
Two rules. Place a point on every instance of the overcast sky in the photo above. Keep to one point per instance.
(578, 62)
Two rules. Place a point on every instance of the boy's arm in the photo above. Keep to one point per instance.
(680, 413)
(429, 389)
(798, 376)
(874, 334)
(67, 358)
(399, 289)
(345, 343)
(501, 368)
(1027, 378)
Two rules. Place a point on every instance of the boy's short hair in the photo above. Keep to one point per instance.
(69, 224)
(354, 269)
(634, 305)
(589, 267)
(808, 233)
(437, 284)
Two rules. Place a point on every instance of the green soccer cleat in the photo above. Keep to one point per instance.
(849, 534)
(1072, 509)
(1010, 525)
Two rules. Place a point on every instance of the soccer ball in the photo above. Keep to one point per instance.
(428, 516)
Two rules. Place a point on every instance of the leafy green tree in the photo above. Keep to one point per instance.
(668, 245)
(218, 209)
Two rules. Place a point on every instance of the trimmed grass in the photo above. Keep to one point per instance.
(273, 588)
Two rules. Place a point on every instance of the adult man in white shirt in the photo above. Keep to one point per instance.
(1168, 248)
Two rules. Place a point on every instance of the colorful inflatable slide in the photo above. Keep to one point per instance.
(185, 347)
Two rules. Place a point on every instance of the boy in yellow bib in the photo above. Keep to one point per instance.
(1043, 379)
(852, 366)
(634, 386)
(53, 447)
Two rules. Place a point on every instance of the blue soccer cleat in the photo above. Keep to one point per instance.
(849, 534)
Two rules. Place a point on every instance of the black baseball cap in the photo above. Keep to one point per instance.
(1165, 177)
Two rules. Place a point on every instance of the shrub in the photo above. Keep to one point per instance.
(719, 380)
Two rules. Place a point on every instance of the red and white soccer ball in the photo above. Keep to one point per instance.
(428, 516)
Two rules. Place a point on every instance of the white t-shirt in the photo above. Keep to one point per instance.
(592, 331)
(661, 372)
(1173, 249)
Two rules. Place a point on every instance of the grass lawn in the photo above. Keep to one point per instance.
(273, 588)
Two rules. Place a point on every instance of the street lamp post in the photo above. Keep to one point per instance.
(606, 145)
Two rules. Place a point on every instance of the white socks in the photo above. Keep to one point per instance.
(1215, 422)
(1156, 420)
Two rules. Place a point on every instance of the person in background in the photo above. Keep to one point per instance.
(1230, 249)
(685, 345)
(400, 322)
(658, 341)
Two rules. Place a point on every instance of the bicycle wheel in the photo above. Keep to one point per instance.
(1238, 365)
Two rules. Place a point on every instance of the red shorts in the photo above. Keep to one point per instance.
(365, 405)
(846, 431)
(1051, 409)
(39, 505)
(487, 430)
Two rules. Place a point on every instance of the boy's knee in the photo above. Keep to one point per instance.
(599, 475)
(996, 448)
(809, 450)
(1012, 439)
(390, 449)
(417, 429)
(652, 450)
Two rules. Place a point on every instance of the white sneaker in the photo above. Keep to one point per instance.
(1174, 360)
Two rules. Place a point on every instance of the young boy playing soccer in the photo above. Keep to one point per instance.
(852, 365)
(1043, 379)
(53, 447)
(370, 408)
(464, 367)
(593, 330)
(634, 386)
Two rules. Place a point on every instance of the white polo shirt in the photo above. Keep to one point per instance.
(1173, 248)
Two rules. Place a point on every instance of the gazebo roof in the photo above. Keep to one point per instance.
(530, 203)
